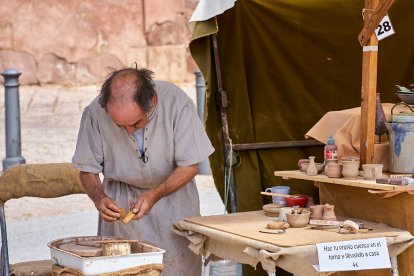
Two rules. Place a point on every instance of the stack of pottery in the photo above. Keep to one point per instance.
(333, 169)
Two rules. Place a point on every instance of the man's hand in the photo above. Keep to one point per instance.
(108, 210)
(106, 206)
(175, 181)
(145, 202)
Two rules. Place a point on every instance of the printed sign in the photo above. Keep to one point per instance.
(353, 255)
(384, 28)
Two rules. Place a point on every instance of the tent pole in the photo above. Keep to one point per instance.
(375, 11)
(223, 104)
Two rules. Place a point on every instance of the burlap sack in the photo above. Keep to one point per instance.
(39, 180)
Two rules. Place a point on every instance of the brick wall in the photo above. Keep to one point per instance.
(76, 42)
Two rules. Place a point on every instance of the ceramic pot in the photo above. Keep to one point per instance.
(319, 166)
(372, 171)
(316, 211)
(312, 169)
(350, 167)
(329, 161)
(302, 161)
(328, 212)
(333, 170)
(298, 220)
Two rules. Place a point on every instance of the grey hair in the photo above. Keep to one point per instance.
(144, 90)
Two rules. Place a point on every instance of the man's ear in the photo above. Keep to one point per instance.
(154, 100)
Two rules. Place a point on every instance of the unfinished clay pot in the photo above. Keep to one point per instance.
(316, 211)
(328, 212)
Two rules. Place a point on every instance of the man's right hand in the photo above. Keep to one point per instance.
(108, 210)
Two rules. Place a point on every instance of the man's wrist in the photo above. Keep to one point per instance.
(159, 191)
(98, 198)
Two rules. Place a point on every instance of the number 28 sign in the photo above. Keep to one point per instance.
(384, 28)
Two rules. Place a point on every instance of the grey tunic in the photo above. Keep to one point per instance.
(174, 136)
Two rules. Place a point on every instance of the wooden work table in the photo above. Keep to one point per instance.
(238, 237)
(355, 198)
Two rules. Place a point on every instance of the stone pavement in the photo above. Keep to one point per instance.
(50, 119)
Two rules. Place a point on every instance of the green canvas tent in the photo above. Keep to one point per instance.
(283, 65)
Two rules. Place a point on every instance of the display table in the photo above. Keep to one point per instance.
(237, 237)
(359, 182)
(352, 199)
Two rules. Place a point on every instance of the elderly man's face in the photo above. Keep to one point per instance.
(130, 116)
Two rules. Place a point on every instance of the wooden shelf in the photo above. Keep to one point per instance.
(360, 182)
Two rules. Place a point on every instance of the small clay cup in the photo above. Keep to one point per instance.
(350, 167)
(316, 211)
(333, 170)
(372, 171)
(327, 162)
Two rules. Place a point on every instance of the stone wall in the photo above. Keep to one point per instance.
(77, 42)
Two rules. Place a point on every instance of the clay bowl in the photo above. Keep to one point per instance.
(302, 161)
(272, 210)
(305, 165)
(298, 220)
(407, 98)
(297, 200)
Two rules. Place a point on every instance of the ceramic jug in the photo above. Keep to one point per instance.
(312, 169)
(328, 212)
(380, 119)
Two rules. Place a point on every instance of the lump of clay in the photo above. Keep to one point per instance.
(349, 227)
(278, 225)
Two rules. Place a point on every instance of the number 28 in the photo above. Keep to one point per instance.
(384, 27)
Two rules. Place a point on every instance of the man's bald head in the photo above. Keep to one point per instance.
(128, 85)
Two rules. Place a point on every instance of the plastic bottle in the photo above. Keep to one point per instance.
(225, 267)
(330, 151)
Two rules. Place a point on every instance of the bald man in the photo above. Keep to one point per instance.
(146, 139)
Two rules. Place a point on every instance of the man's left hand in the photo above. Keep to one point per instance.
(145, 202)
(176, 180)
